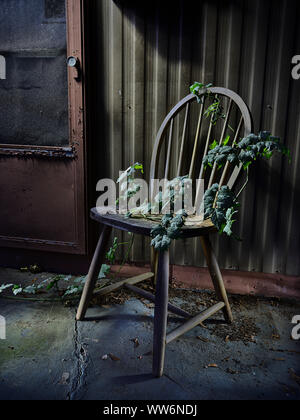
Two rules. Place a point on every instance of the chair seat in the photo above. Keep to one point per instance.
(144, 227)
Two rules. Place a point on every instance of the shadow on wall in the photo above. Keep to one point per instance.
(175, 21)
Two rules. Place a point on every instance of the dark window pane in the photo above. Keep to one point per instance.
(34, 95)
(54, 9)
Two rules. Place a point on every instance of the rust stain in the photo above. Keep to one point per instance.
(63, 153)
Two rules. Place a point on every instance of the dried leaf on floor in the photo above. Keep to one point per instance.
(64, 379)
(35, 269)
(231, 371)
(294, 376)
(135, 342)
(205, 340)
(114, 358)
(244, 329)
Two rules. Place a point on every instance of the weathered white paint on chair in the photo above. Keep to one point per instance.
(2, 67)
(2, 328)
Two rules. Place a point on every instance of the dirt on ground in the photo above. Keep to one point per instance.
(243, 329)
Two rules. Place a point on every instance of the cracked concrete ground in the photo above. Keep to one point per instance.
(48, 355)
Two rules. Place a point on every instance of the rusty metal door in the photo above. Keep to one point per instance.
(42, 141)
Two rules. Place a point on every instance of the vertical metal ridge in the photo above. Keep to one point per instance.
(276, 88)
(133, 107)
(252, 80)
(290, 202)
(227, 74)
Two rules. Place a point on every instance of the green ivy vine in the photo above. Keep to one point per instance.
(219, 202)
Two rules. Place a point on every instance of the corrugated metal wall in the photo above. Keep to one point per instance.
(148, 54)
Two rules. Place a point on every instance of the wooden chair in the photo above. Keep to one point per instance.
(164, 145)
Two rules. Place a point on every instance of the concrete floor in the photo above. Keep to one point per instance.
(48, 355)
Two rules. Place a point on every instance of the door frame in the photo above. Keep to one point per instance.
(74, 152)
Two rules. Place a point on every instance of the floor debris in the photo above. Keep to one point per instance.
(109, 355)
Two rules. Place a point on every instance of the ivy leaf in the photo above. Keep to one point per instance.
(220, 155)
(213, 145)
(246, 165)
(174, 232)
(51, 285)
(197, 89)
(17, 289)
(80, 280)
(233, 159)
(263, 145)
(229, 221)
(111, 254)
(226, 141)
(72, 290)
(105, 269)
(133, 190)
(158, 230)
(5, 286)
(168, 230)
(209, 199)
(219, 205)
(130, 172)
(161, 242)
(138, 167)
(166, 220)
(215, 111)
(225, 198)
(30, 290)
(43, 284)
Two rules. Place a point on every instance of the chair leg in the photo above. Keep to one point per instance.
(216, 276)
(161, 314)
(93, 273)
(154, 264)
